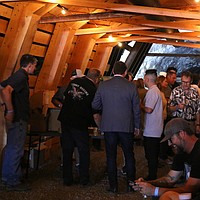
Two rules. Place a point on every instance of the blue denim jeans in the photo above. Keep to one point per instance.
(72, 137)
(13, 152)
(112, 139)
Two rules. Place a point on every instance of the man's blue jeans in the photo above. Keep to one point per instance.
(112, 139)
(13, 152)
(72, 137)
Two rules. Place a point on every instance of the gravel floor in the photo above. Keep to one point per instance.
(47, 184)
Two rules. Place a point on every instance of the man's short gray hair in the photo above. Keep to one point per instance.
(93, 73)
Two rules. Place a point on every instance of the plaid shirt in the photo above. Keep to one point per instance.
(191, 101)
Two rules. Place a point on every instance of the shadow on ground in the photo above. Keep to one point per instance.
(47, 181)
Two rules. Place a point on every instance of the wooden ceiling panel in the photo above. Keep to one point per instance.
(165, 21)
(176, 4)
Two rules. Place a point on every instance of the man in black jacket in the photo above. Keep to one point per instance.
(76, 116)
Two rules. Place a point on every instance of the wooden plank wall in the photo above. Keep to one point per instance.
(56, 44)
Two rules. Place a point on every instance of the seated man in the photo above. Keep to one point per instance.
(187, 148)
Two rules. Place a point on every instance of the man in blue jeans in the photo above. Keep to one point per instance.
(15, 95)
(119, 103)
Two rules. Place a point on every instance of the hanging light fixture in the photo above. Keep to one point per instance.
(119, 44)
(110, 38)
(63, 9)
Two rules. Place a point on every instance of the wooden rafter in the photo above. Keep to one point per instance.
(172, 25)
(176, 36)
(123, 7)
(80, 17)
(148, 40)
(110, 29)
(46, 8)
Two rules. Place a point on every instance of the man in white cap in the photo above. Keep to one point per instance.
(77, 73)
(187, 147)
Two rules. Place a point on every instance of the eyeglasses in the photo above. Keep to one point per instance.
(170, 139)
(186, 82)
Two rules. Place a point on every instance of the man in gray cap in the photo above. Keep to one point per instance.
(187, 148)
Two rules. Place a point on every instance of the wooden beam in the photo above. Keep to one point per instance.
(125, 8)
(179, 44)
(80, 17)
(52, 58)
(191, 25)
(177, 36)
(101, 57)
(62, 68)
(148, 40)
(81, 53)
(45, 9)
(123, 39)
(28, 40)
(170, 25)
(111, 29)
(14, 38)
(76, 25)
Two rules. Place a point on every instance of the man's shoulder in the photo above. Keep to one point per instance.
(194, 90)
(153, 89)
(18, 77)
(177, 89)
(83, 84)
(82, 80)
(197, 145)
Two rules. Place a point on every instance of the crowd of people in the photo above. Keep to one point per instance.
(164, 112)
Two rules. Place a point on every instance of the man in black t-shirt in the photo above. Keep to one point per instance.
(76, 116)
(15, 95)
(187, 147)
(59, 97)
(58, 100)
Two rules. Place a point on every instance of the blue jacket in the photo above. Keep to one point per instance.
(119, 103)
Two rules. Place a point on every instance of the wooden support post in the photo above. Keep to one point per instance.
(81, 53)
(28, 40)
(101, 57)
(55, 59)
(14, 37)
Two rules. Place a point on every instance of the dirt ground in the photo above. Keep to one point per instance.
(47, 184)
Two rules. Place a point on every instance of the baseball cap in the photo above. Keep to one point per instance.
(174, 126)
(77, 73)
